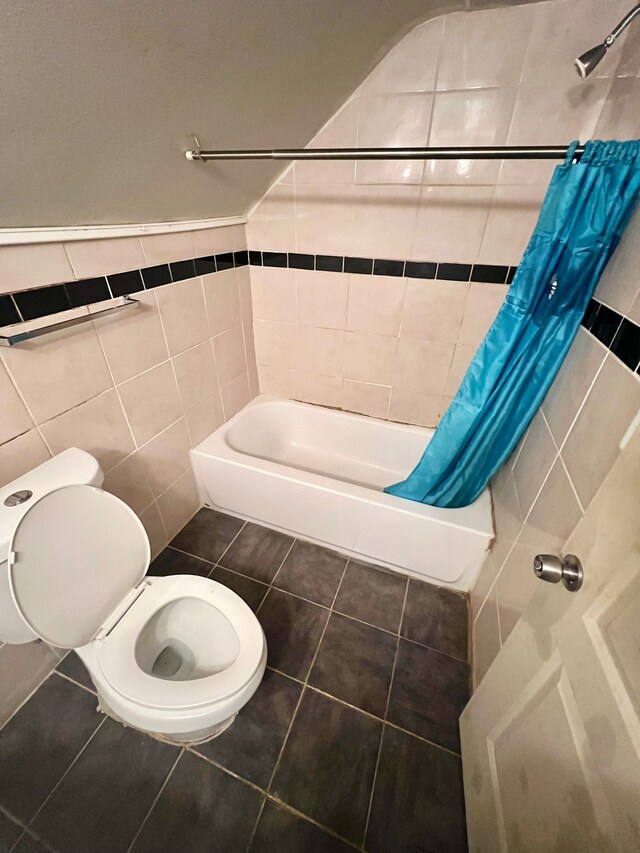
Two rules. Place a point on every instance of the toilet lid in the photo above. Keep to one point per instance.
(73, 557)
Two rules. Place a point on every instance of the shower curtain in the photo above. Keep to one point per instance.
(586, 209)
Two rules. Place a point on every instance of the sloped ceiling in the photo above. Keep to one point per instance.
(97, 98)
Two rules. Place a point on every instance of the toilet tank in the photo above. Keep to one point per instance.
(71, 467)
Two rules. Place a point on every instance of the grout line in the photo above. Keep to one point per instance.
(37, 687)
(155, 800)
(283, 562)
(74, 682)
(64, 775)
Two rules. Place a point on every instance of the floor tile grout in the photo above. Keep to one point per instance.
(74, 682)
(155, 800)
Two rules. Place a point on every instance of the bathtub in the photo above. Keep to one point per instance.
(318, 474)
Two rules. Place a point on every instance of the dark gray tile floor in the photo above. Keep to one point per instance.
(349, 743)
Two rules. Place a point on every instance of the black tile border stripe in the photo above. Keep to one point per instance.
(619, 334)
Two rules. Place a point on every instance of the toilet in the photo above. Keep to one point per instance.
(175, 656)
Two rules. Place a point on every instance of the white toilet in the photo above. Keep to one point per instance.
(176, 656)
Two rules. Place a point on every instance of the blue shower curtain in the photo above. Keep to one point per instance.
(586, 209)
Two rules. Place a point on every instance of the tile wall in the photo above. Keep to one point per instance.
(137, 389)
(397, 346)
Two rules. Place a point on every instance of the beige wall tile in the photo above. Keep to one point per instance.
(33, 265)
(166, 457)
(482, 585)
(420, 409)
(486, 638)
(279, 382)
(513, 215)
(534, 463)
(570, 387)
(91, 258)
(15, 418)
(205, 418)
(482, 306)
(98, 426)
(235, 396)
(410, 66)
(59, 371)
(239, 234)
(276, 344)
(133, 342)
(324, 219)
(164, 248)
(128, 481)
(196, 374)
(21, 455)
(273, 292)
(322, 298)
(229, 352)
(465, 61)
(385, 219)
(593, 443)
(433, 309)
(369, 358)
(450, 223)
(22, 669)
(244, 292)
(222, 296)
(272, 226)
(462, 358)
(321, 390)
(213, 241)
(422, 366)
(179, 503)
(516, 584)
(151, 402)
(507, 515)
(370, 400)
(321, 351)
(555, 512)
(154, 525)
(619, 285)
(184, 315)
(375, 304)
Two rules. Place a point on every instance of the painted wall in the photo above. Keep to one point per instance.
(137, 390)
(97, 101)
(397, 346)
(544, 489)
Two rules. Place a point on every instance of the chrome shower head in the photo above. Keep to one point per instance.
(586, 63)
(589, 59)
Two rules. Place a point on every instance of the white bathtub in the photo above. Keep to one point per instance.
(318, 474)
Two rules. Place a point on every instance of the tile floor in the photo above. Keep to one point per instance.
(350, 742)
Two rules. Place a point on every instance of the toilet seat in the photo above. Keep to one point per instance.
(116, 653)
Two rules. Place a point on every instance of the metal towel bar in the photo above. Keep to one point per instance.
(21, 337)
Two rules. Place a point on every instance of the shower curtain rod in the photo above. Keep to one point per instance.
(513, 152)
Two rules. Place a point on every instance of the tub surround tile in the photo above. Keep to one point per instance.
(251, 746)
(204, 418)
(250, 591)
(279, 829)
(200, 808)
(367, 399)
(128, 481)
(293, 628)
(341, 744)
(311, 572)
(372, 595)
(235, 395)
(89, 800)
(407, 407)
(428, 693)
(51, 728)
(354, 663)
(412, 772)
(437, 617)
(170, 561)
(196, 375)
(208, 534)
(322, 390)
(257, 552)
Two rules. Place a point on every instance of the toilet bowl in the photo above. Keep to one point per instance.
(175, 656)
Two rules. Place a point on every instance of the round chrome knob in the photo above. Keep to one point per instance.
(553, 569)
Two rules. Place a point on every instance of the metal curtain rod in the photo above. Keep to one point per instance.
(513, 152)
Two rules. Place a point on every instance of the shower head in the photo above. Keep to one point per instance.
(590, 58)
(586, 63)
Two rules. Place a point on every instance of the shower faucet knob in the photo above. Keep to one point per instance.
(553, 569)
